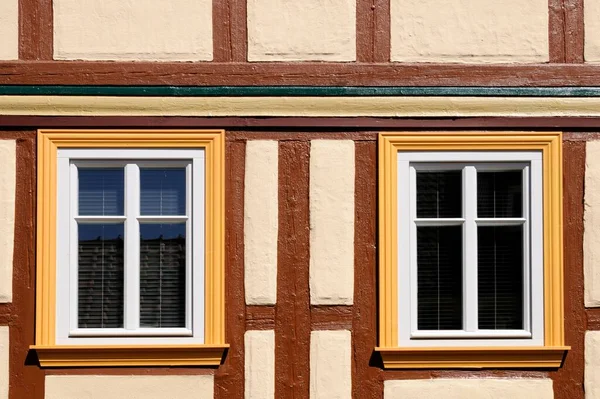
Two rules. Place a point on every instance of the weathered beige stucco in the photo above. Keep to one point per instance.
(161, 30)
(129, 386)
(592, 30)
(332, 222)
(592, 365)
(4, 373)
(9, 29)
(591, 236)
(259, 349)
(469, 31)
(330, 365)
(475, 388)
(388, 107)
(261, 222)
(292, 30)
(7, 216)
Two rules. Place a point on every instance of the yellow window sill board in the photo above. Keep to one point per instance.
(148, 355)
(473, 357)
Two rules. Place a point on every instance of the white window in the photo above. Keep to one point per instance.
(470, 248)
(130, 246)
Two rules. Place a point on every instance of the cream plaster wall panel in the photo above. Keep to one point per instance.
(261, 222)
(129, 387)
(476, 388)
(260, 364)
(7, 216)
(9, 29)
(591, 236)
(308, 30)
(4, 374)
(330, 365)
(161, 30)
(592, 365)
(592, 30)
(469, 31)
(332, 222)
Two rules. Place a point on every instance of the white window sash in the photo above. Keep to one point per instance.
(67, 247)
(530, 162)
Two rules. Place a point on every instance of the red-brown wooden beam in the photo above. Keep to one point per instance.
(566, 31)
(35, 30)
(310, 73)
(229, 31)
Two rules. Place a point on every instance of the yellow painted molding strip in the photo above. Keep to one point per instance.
(301, 106)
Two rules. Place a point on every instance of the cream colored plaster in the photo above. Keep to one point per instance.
(469, 31)
(591, 236)
(7, 216)
(592, 30)
(4, 371)
(308, 30)
(261, 222)
(332, 222)
(440, 107)
(161, 30)
(330, 365)
(260, 364)
(474, 388)
(129, 386)
(9, 29)
(592, 365)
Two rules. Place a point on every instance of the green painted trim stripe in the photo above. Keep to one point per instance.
(295, 91)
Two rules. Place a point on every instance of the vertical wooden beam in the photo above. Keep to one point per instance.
(229, 377)
(36, 30)
(292, 312)
(229, 31)
(373, 30)
(26, 378)
(566, 31)
(568, 380)
(366, 378)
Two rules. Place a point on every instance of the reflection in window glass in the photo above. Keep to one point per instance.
(162, 275)
(100, 276)
(162, 191)
(101, 191)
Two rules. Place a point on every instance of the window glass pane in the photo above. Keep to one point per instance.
(439, 274)
(100, 279)
(500, 194)
(162, 275)
(439, 194)
(500, 277)
(101, 191)
(162, 191)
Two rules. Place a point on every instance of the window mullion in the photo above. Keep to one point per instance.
(470, 249)
(132, 247)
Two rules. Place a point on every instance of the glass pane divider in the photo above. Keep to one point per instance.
(500, 221)
(439, 222)
(100, 219)
(471, 309)
(132, 248)
(162, 219)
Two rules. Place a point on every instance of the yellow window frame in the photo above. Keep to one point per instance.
(552, 353)
(211, 352)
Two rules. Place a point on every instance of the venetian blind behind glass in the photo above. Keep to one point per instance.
(439, 251)
(439, 275)
(439, 194)
(101, 191)
(100, 275)
(500, 194)
(500, 277)
(162, 191)
(162, 275)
